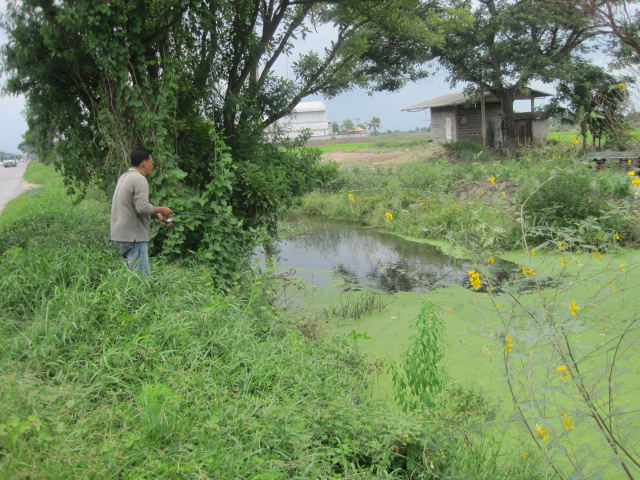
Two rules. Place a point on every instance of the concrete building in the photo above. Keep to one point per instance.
(454, 118)
(310, 116)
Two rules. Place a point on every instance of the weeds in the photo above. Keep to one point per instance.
(356, 305)
(440, 200)
(106, 375)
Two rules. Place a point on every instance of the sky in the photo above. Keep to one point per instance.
(356, 105)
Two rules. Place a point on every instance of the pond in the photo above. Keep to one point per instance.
(331, 250)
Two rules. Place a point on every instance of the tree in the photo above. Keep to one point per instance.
(374, 124)
(615, 18)
(592, 99)
(347, 124)
(195, 80)
(506, 44)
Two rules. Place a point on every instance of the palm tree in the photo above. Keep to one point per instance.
(374, 124)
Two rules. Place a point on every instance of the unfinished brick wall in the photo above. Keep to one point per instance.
(468, 122)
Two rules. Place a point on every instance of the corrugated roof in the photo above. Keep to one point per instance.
(459, 98)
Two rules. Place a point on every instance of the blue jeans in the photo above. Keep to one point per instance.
(136, 254)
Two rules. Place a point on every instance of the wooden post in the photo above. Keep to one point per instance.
(483, 122)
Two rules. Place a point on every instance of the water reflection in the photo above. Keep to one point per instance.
(362, 257)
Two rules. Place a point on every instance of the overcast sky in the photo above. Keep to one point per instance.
(355, 105)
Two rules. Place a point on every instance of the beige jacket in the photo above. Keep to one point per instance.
(130, 208)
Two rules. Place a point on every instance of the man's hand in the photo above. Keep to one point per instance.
(163, 214)
(164, 211)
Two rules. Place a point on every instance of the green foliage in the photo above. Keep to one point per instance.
(172, 376)
(464, 148)
(501, 46)
(561, 200)
(561, 196)
(356, 305)
(188, 81)
(421, 375)
(593, 100)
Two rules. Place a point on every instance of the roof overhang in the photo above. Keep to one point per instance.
(453, 99)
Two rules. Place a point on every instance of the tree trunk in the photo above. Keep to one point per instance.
(509, 132)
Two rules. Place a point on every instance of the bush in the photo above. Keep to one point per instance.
(562, 196)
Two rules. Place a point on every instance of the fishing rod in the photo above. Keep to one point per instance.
(170, 220)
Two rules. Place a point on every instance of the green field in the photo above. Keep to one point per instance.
(566, 137)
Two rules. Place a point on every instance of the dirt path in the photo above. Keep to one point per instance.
(345, 157)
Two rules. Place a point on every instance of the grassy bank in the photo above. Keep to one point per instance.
(559, 341)
(106, 375)
(475, 196)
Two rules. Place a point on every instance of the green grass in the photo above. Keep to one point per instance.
(566, 137)
(107, 375)
(343, 146)
(456, 206)
(378, 143)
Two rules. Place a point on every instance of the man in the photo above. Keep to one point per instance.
(131, 212)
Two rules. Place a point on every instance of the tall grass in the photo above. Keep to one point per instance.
(104, 374)
(473, 197)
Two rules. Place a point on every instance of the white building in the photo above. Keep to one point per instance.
(310, 116)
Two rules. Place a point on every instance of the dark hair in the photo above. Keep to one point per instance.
(139, 155)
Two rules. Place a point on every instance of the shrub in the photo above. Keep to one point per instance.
(561, 196)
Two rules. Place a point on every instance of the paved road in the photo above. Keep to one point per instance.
(11, 183)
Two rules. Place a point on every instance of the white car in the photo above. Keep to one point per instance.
(10, 163)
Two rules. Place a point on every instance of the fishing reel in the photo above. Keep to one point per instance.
(168, 221)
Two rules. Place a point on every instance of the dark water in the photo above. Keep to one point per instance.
(362, 257)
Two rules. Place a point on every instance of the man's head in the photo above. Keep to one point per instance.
(142, 160)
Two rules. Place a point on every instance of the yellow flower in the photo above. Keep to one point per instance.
(528, 271)
(561, 246)
(525, 455)
(574, 308)
(630, 162)
(509, 342)
(474, 279)
(352, 197)
(491, 260)
(617, 236)
(621, 267)
(631, 174)
(613, 287)
(565, 261)
(492, 179)
(574, 140)
(566, 421)
(498, 305)
(561, 368)
(621, 85)
(533, 251)
(636, 182)
(596, 254)
(543, 432)
(389, 215)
